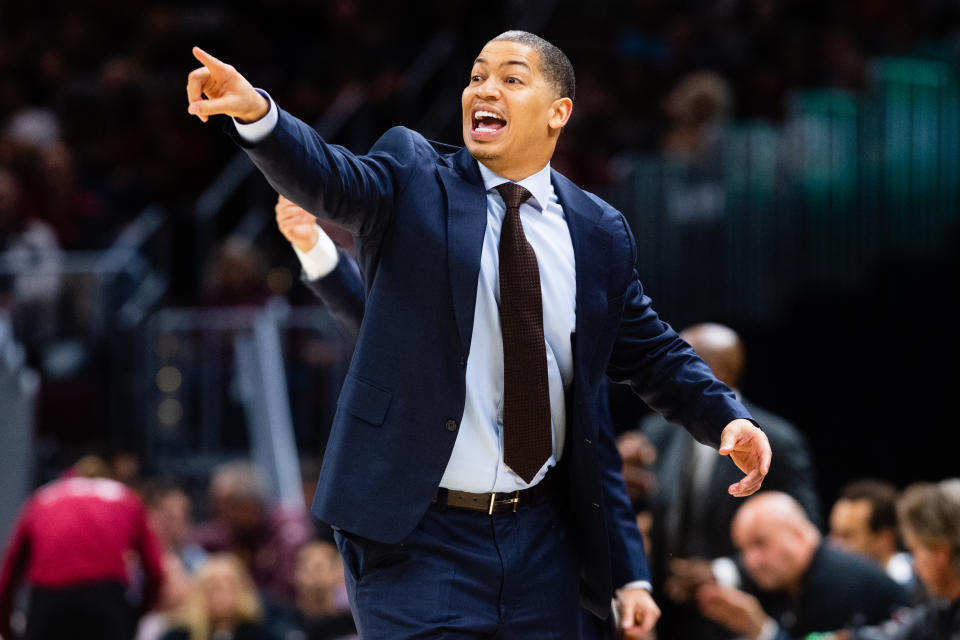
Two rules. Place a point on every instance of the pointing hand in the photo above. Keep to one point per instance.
(217, 88)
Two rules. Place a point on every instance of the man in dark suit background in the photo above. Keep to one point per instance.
(691, 512)
(792, 583)
(440, 534)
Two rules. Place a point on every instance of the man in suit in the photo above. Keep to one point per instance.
(333, 277)
(794, 584)
(470, 486)
(691, 512)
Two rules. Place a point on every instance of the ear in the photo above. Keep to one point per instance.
(560, 112)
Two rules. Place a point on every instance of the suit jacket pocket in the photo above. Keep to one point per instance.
(364, 400)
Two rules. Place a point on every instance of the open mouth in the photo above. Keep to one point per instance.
(486, 123)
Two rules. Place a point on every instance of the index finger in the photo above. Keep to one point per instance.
(207, 60)
(749, 485)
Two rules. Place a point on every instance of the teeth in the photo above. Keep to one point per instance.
(486, 114)
(484, 130)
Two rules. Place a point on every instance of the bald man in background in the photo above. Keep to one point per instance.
(691, 513)
(791, 583)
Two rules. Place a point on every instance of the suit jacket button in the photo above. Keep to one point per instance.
(463, 360)
(451, 425)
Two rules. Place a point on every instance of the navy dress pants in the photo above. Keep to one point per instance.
(467, 574)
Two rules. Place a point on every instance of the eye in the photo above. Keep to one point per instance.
(513, 80)
(475, 78)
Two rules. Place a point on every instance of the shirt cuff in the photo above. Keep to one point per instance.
(321, 260)
(256, 131)
(770, 630)
(726, 572)
(638, 584)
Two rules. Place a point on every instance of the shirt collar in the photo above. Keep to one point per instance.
(537, 184)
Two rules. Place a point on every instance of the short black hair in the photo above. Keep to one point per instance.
(554, 63)
(882, 497)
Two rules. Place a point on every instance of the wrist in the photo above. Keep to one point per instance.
(263, 106)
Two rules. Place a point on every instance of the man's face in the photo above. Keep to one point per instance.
(850, 526)
(510, 110)
(769, 553)
(931, 562)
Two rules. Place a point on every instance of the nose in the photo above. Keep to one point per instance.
(488, 88)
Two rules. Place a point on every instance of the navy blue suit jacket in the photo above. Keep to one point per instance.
(418, 210)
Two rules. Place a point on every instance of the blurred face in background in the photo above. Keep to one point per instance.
(850, 526)
(221, 587)
(931, 562)
(772, 551)
(170, 519)
(319, 568)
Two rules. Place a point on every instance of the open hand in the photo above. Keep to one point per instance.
(217, 88)
(749, 449)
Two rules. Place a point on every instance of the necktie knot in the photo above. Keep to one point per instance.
(513, 194)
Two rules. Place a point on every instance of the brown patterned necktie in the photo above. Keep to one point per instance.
(527, 441)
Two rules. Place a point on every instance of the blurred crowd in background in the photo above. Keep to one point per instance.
(136, 256)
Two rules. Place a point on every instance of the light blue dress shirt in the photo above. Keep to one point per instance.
(476, 463)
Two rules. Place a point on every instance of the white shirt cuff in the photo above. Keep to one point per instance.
(321, 260)
(254, 132)
(638, 584)
(726, 572)
(770, 630)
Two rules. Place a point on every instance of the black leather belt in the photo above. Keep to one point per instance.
(492, 502)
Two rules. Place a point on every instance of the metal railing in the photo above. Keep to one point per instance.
(18, 393)
(847, 180)
(257, 382)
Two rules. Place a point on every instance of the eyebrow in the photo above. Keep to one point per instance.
(520, 63)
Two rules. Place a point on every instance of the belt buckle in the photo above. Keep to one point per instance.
(493, 500)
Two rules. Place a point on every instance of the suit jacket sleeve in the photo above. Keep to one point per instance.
(357, 192)
(342, 291)
(665, 371)
(627, 555)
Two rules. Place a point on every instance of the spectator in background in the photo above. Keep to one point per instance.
(173, 596)
(30, 264)
(694, 188)
(691, 510)
(793, 584)
(265, 537)
(222, 604)
(864, 520)
(236, 275)
(698, 107)
(71, 544)
(929, 517)
(321, 610)
(169, 508)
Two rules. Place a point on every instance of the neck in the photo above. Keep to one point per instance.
(951, 589)
(514, 173)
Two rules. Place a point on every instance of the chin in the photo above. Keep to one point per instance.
(482, 152)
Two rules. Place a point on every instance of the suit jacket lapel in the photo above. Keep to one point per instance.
(466, 224)
(591, 245)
